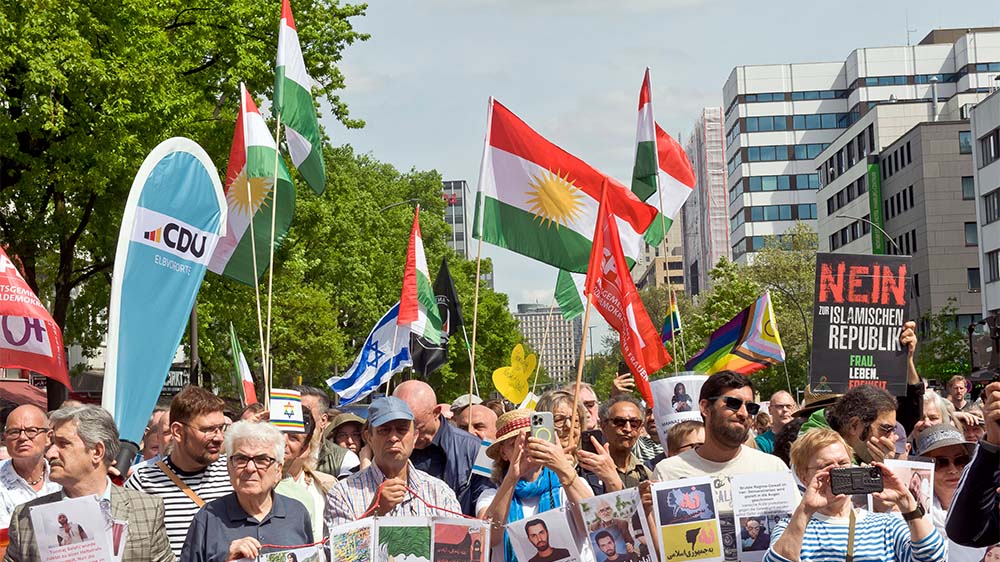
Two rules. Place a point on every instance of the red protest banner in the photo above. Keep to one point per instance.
(29, 337)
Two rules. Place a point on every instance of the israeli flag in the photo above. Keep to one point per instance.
(386, 352)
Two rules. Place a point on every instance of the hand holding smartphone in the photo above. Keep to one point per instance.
(543, 427)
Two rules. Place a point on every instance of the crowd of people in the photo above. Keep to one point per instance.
(210, 485)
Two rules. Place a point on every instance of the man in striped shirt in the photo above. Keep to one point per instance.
(391, 485)
(193, 473)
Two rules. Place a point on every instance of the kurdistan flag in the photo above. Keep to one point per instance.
(418, 306)
(249, 179)
(569, 294)
(537, 199)
(660, 162)
(294, 103)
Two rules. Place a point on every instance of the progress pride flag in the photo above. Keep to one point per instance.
(29, 338)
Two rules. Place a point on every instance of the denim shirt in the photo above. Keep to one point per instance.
(450, 456)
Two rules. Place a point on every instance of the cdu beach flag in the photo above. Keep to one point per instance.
(174, 216)
(386, 352)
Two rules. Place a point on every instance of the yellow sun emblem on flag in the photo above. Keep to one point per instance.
(248, 201)
(554, 199)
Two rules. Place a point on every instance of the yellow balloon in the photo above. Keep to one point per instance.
(511, 381)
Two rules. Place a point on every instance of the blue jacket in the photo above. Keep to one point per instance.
(450, 457)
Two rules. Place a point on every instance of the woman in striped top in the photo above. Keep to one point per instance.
(818, 529)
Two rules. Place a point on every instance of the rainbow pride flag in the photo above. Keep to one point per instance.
(672, 323)
(746, 344)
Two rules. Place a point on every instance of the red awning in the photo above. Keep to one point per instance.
(23, 392)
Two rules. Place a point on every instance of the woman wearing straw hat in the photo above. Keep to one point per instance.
(533, 475)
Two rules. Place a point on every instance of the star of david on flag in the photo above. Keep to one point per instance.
(385, 353)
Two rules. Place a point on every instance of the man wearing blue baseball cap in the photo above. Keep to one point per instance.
(391, 484)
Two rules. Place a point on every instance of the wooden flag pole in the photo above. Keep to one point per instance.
(475, 324)
(270, 260)
(253, 239)
(666, 265)
(579, 367)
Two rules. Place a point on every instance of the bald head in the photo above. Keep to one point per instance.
(484, 421)
(25, 420)
(781, 407)
(420, 397)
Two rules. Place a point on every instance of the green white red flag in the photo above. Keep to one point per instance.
(249, 195)
(294, 103)
(614, 295)
(660, 162)
(417, 305)
(244, 378)
(537, 199)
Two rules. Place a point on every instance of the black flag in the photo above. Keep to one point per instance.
(430, 356)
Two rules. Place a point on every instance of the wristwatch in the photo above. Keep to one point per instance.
(915, 514)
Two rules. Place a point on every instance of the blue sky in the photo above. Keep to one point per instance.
(572, 69)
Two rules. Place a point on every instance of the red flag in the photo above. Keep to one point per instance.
(610, 288)
(29, 338)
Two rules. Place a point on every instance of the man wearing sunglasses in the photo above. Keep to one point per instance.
(949, 450)
(621, 421)
(727, 407)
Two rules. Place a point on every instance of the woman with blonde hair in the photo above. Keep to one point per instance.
(821, 524)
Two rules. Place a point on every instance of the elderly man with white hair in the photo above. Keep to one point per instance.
(237, 525)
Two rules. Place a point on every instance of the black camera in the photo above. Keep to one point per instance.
(856, 480)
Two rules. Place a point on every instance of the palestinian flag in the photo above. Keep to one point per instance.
(537, 199)
(249, 195)
(418, 306)
(294, 103)
(660, 163)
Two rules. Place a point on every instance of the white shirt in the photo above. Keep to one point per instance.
(15, 490)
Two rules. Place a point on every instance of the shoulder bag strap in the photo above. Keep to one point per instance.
(187, 489)
(850, 539)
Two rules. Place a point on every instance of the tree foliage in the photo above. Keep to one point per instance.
(87, 89)
(944, 350)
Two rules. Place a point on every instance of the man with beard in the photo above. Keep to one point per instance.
(727, 407)
(193, 473)
(538, 534)
(606, 543)
(781, 407)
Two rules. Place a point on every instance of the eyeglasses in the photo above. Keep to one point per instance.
(782, 406)
(344, 436)
(211, 430)
(561, 420)
(885, 429)
(29, 432)
(733, 403)
(260, 462)
(622, 422)
(687, 446)
(959, 462)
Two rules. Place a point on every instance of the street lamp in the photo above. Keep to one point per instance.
(879, 228)
(401, 203)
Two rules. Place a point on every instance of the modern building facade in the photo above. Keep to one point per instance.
(899, 181)
(455, 215)
(555, 339)
(706, 212)
(985, 125)
(780, 117)
(662, 272)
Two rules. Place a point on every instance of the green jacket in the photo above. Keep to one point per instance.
(815, 421)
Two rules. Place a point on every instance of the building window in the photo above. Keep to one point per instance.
(989, 148)
(916, 284)
(991, 206)
(965, 142)
(971, 234)
(992, 263)
(968, 188)
(974, 284)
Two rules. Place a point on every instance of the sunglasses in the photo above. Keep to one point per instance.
(733, 403)
(622, 422)
(941, 463)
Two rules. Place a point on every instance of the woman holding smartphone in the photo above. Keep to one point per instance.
(827, 526)
(533, 476)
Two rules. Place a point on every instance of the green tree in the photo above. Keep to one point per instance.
(944, 351)
(89, 88)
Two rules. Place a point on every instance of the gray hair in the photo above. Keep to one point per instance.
(605, 410)
(93, 425)
(259, 433)
(945, 408)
